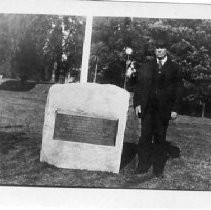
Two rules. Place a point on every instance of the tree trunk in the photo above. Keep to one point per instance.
(203, 109)
(23, 80)
(95, 76)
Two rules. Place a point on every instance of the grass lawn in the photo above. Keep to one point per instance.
(21, 121)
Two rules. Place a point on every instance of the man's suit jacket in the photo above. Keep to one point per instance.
(169, 91)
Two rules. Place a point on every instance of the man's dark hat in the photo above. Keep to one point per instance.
(161, 43)
(161, 39)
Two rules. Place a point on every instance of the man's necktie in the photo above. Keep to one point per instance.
(159, 66)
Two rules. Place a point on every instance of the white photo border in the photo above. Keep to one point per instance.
(31, 197)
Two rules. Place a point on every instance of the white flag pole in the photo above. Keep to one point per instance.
(86, 49)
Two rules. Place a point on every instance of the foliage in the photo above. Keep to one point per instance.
(31, 44)
(188, 43)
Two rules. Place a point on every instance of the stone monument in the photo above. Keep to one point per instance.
(84, 126)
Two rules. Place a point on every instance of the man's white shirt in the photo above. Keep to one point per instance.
(163, 61)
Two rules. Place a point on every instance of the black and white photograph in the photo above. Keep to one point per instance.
(106, 95)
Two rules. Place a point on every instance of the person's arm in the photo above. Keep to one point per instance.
(137, 95)
(178, 86)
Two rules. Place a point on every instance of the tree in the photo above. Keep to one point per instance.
(97, 50)
(25, 58)
(31, 44)
(46, 38)
(65, 38)
(189, 45)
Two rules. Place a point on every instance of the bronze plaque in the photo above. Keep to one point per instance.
(85, 129)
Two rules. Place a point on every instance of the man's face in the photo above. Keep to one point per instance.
(160, 52)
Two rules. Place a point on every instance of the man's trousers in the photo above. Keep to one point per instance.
(152, 143)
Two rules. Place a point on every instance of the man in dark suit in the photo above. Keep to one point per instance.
(156, 98)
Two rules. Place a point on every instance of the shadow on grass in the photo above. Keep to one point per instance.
(19, 154)
(128, 154)
(130, 150)
(8, 141)
(16, 85)
(172, 150)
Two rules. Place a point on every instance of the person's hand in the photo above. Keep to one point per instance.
(138, 110)
(173, 115)
(130, 71)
